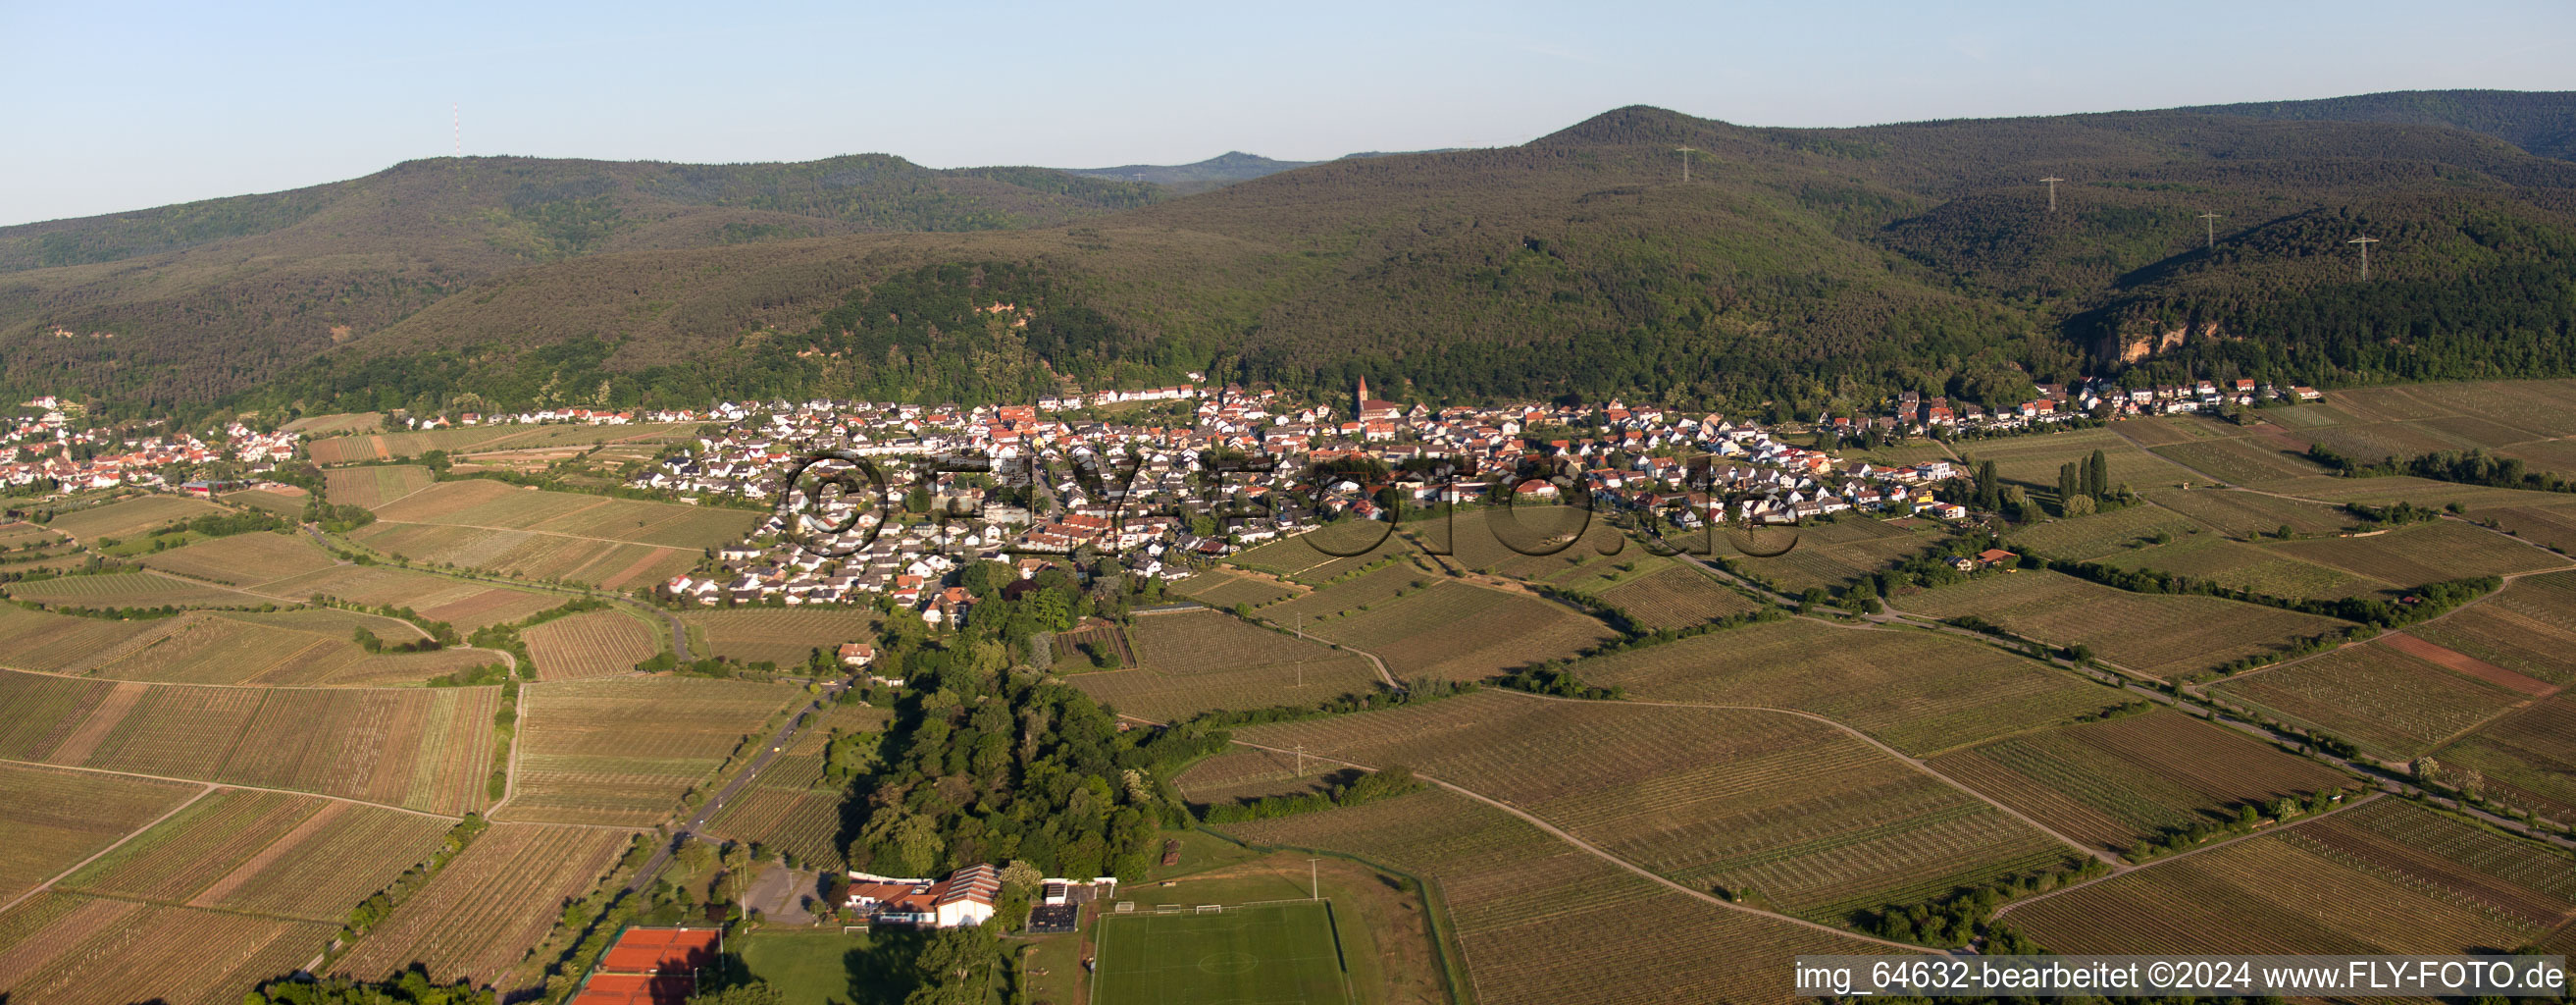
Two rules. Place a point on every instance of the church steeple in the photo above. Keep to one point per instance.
(1359, 403)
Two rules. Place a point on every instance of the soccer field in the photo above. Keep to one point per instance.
(1264, 954)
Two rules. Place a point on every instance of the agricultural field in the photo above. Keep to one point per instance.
(423, 749)
(2296, 890)
(1503, 541)
(2033, 460)
(57, 818)
(2161, 636)
(1916, 691)
(373, 487)
(61, 643)
(1368, 589)
(623, 750)
(550, 535)
(1205, 660)
(1280, 953)
(245, 559)
(790, 807)
(2424, 553)
(1837, 554)
(1248, 773)
(130, 589)
(2115, 783)
(1676, 597)
(2209, 558)
(2086, 538)
(2526, 759)
(315, 427)
(1453, 631)
(63, 949)
(2529, 627)
(1306, 558)
(286, 500)
(786, 636)
(281, 648)
(464, 604)
(478, 917)
(131, 517)
(458, 439)
(1534, 917)
(1777, 807)
(2242, 514)
(2390, 702)
(1221, 588)
(2551, 526)
(299, 858)
(591, 644)
(2240, 461)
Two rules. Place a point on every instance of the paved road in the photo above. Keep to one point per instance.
(759, 762)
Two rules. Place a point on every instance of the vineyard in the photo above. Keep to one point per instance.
(1200, 661)
(1245, 773)
(1916, 691)
(395, 446)
(57, 818)
(286, 502)
(2266, 895)
(2450, 860)
(1818, 823)
(786, 636)
(1536, 917)
(130, 589)
(2245, 514)
(622, 750)
(477, 918)
(2101, 534)
(267, 853)
(1219, 588)
(421, 749)
(2237, 566)
(539, 557)
(1311, 558)
(2113, 784)
(1836, 554)
(2426, 553)
(2528, 758)
(2033, 460)
(281, 648)
(2551, 525)
(1364, 590)
(2241, 461)
(2528, 627)
(482, 503)
(593, 644)
(1457, 632)
(2164, 636)
(466, 605)
(63, 949)
(1676, 597)
(245, 559)
(372, 487)
(131, 517)
(61, 643)
(2390, 704)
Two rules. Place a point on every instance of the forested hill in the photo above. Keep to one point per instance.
(1795, 270)
(2542, 123)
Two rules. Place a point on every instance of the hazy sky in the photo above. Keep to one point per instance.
(123, 106)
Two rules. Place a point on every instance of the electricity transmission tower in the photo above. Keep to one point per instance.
(1685, 150)
(2052, 191)
(2209, 222)
(2365, 243)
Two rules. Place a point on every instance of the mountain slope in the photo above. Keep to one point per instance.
(2543, 123)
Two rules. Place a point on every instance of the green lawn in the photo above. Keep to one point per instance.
(1270, 954)
(809, 967)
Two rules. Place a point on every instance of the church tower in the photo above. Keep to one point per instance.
(1359, 403)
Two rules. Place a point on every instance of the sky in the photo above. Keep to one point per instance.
(127, 106)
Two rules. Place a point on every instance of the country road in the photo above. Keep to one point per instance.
(759, 762)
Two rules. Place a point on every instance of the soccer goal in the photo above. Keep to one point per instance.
(1211, 908)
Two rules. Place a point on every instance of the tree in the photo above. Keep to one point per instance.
(2081, 505)
(2067, 482)
(2097, 476)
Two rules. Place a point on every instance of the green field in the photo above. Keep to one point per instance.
(1275, 954)
(808, 967)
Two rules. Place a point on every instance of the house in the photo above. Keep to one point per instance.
(857, 654)
(1993, 558)
(964, 898)
(2304, 392)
